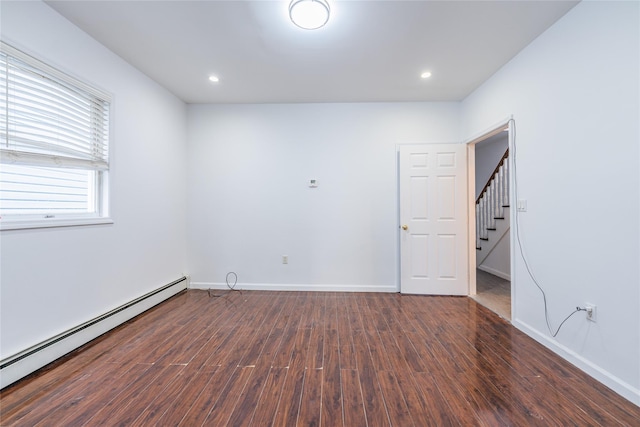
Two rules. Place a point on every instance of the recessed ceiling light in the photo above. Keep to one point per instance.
(214, 79)
(425, 75)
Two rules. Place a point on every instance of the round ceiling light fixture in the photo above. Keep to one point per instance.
(309, 14)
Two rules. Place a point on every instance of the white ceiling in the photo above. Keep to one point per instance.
(369, 50)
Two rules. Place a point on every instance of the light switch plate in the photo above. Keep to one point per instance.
(522, 205)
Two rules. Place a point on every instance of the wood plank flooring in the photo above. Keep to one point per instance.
(313, 359)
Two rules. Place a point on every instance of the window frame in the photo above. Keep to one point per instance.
(101, 188)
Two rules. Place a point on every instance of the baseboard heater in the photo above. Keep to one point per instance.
(33, 358)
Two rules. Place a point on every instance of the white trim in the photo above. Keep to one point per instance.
(512, 219)
(490, 131)
(495, 272)
(51, 223)
(294, 287)
(471, 143)
(398, 231)
(82, 335)
(616, 384)
(471, 219)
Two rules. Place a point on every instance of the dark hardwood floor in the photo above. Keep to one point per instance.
(311, 359)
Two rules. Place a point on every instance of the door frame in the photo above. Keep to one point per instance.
(471, 177)
(471, 211)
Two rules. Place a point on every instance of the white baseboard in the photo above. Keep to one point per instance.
(616, 384)
(294, 287)
(22, 364)
(495, 272)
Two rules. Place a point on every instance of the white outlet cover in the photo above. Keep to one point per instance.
(594, 311)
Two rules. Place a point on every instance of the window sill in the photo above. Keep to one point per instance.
(51, 223)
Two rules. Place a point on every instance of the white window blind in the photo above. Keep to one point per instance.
(54, 139)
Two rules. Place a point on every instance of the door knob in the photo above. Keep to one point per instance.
(405, 227)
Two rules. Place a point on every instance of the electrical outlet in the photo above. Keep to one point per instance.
(285, 259)
(591, 312)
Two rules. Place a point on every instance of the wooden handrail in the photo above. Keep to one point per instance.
(495, 171)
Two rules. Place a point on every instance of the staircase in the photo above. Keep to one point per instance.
(492, 214)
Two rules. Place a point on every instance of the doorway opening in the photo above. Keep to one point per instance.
(490, 220)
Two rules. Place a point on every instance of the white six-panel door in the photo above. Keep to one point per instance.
(433, 219)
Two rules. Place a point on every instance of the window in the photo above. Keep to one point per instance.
(54, 146)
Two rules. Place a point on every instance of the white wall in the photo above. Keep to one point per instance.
(574, 93)
(54, 279)
(498, 260)
(249, 202)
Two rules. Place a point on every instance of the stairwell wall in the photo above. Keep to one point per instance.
(488, 155)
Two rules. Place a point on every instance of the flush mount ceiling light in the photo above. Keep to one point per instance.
(309, 14)
(214, 79)
(425, 75)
